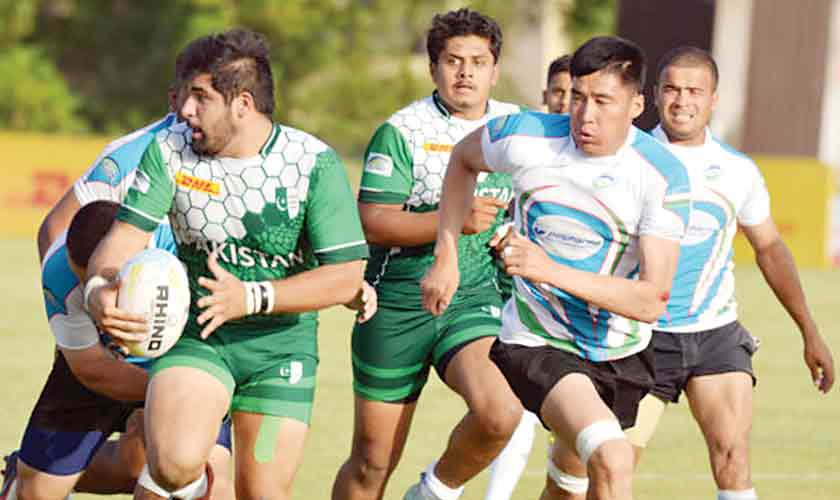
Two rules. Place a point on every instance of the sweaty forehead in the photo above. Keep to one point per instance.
(468, 46)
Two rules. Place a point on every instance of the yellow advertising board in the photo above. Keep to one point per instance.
(801, 202)
(38, 169)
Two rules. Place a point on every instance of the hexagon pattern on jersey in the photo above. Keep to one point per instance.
(426, 130)
(229, 205)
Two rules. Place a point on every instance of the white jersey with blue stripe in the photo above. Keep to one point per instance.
(69, 322)
(727, 189)
(109, 178)
(587, 213)
(112, 173)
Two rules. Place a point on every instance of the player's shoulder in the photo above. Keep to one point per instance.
(529, 124)
(291, 140)
(500, 108)
(657, 156)
(416, 115)
(57, 279)
(121, 156)
(732, 156)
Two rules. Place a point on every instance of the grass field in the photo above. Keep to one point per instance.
(795, 435)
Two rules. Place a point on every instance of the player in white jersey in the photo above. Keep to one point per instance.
(394, 352)
(509, 465)
(699, 346)
(600, 209)
(90, 392)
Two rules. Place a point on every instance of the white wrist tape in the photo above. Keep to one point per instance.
(259, 297)
(145, 480)
(596, 434)
(94, 282)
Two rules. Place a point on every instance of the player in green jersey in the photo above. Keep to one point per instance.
(265, 223)
(392, 354)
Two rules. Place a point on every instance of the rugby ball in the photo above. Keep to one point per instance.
(154, 284)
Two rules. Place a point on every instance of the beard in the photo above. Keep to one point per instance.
(214, 138)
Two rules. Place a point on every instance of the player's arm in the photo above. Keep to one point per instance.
(57, 221)
(144, 209)
(779, 269)
(643, 299)
(442, 278)
(100, 371)
(386, 184)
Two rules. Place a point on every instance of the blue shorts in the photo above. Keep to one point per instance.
(63, 453)
(70, 423)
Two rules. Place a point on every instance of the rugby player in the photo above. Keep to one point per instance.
(265, 222)
(392, 354)
(91, 391)
(700, 348)
(600, 209)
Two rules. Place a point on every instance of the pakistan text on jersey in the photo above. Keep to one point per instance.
(247, 257)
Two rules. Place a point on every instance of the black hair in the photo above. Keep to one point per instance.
(90, 224)
(559, 65)
(462, 22)
(613, 55)
(237, 61)
(688, 55)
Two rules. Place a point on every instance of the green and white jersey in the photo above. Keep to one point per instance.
(405, 163)
(276, 214)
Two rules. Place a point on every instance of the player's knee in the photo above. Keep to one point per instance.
(174, 468)
(612, 462)
(605, 451)
(371, 463)
(497, 419)
(729, 457)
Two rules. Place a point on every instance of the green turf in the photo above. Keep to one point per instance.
(795, 434)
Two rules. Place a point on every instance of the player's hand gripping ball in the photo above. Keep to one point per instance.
(154, 284)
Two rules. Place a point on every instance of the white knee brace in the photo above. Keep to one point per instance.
(195, 489)
(596, 434)
(567, 482)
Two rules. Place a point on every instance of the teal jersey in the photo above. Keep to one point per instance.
(405, 163)
(279, 213)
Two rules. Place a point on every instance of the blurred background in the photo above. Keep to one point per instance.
(76, 74)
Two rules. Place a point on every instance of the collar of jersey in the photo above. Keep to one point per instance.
(613, 160)
(445, 112)
(661, 136)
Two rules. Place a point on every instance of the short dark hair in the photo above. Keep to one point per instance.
(90, 224)
(613, 55)
(462, 22)
(559, 65)
(237, 61)
(688, 55)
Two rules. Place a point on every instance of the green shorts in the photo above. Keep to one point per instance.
(258, 378)
(393, 351)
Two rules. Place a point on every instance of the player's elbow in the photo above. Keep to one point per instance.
(654, 305)
(351, 279)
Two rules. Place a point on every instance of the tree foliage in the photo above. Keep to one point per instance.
(340, 66)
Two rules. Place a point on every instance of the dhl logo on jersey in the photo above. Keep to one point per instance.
(438, 148)
(197, 184)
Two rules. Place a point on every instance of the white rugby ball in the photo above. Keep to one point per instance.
(154, 284)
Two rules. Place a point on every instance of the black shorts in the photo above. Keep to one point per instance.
(533, 371)
(67, 405)
(681, 356)
(70, 423)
